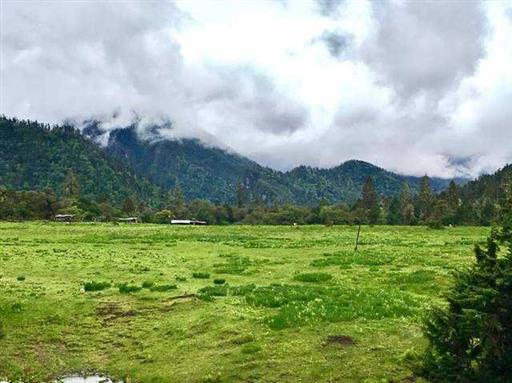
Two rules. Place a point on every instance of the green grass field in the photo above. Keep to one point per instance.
(220, 304)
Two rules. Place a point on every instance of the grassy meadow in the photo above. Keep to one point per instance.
(155, 303)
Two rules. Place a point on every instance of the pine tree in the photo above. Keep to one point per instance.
(452, 196)
(176, 203)
(470, 340)
(406, 205)
(393, 216)
(425, 199)
(241, 197)
(71, 185)
(128, 206)
(370, 202)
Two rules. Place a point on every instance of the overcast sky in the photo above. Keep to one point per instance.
(415, 87)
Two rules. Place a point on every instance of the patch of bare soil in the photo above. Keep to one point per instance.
(343, 340)
(112, 311)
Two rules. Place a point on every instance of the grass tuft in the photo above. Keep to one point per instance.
(163, 287)
(201, 275)
(125, 288)
(148, 284)
(96, 286)
(312, 277)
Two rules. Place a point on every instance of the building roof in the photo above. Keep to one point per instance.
(187, 222)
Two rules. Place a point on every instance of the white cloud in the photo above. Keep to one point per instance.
(416, 87)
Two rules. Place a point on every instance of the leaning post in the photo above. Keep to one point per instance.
(357, 237)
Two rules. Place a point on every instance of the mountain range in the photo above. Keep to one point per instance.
(35, 156)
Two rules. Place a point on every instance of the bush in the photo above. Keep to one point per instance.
(312, 277)
(163, 287)
(20, 278)
(201, 275)
(124, 288)
(17, 307)
(435, 225)
(207, 293)
(2, 331)
(147, 284)
(470, 339)
(96, 286)
(219, 281)
(181, 278)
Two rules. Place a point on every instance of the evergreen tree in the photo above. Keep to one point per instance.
(241, 197)
(128, 206)
(71, 186)
(176, 203)
(425, 200)
(406, 205)
(470, 340)
(394, 217)
(370, 202)
(452, 196)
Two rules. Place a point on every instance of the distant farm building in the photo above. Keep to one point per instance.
(65, 217)
(187, 222)
(129, 220)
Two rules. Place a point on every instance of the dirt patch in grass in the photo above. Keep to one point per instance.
(111, 311)
(343, 340)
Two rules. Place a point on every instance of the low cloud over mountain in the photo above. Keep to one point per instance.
(412, 86)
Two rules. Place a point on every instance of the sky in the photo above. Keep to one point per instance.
(416, 87)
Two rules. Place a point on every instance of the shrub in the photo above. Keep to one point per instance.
(207, 293)
(180, 278)
(163, 287)
(147, 284)
(124, 288)
(200, 275)
(2, 331)
(470, 339)
(96, 286)
(20, 278)
(17, 307)
(435, 224)
(312, 277)
(219, 281)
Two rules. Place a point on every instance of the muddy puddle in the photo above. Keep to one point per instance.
(85, 379)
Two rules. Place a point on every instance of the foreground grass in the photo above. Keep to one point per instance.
(139, 302)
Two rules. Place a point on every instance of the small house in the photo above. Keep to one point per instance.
(65, 217)
(129, 220)
(187, 222)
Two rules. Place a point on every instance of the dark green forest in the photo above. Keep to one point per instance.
(49, 170)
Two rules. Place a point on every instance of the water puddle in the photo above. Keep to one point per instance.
(82, 379)
(85, 379)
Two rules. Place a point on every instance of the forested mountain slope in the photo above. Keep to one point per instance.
(35, 156)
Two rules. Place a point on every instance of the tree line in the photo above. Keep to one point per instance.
(450, 207)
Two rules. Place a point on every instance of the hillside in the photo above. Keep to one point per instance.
(35, 156)
(212, 173)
